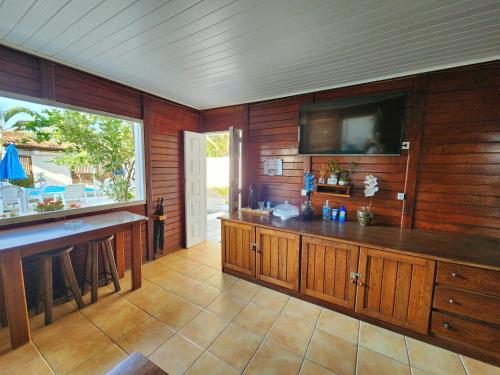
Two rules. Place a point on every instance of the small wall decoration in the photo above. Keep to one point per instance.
(365, 215)
(273, 167)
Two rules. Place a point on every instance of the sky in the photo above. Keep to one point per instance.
(6, 103)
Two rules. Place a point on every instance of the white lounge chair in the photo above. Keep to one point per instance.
(13, 195)
(74, 192)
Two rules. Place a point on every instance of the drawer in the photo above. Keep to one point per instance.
(470, 278)
(469, 304)
(465, 331)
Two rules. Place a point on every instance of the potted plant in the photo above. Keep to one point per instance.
(365, 215)
(49, 205)
(346, 173)
(335, 170)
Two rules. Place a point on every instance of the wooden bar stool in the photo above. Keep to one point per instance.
(92, 266)
(46, 288)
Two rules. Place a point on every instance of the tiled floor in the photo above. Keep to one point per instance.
(190, 318)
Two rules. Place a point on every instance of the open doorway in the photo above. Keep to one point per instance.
(218, 149)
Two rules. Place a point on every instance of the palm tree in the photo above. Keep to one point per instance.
(6, 116)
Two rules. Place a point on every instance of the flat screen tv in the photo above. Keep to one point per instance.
(365, 125)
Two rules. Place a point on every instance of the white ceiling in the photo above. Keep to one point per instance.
(214, 53)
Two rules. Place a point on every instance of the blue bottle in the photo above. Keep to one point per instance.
(342, 214)
(327, 212)
(335, 213)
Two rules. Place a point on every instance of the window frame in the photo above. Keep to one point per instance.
(68, 213)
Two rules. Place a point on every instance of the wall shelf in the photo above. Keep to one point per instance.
(334, 190)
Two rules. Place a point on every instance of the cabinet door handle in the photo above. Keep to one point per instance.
(361, 283)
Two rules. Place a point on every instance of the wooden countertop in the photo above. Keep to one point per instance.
(48, 234)
(473, 250)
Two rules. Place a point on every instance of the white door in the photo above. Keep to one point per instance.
(195, 170)
(235, 164)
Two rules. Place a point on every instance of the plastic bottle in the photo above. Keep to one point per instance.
(335, 213)
(342, 214)
(327, 212)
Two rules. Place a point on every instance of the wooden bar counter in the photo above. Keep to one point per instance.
(429, 285)
(35, 239)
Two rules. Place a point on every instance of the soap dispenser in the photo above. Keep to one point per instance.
(327, 212)
(342, 214)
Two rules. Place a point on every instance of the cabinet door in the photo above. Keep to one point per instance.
(395, 288)
(278, 258)
(237, 247)
(326, 270)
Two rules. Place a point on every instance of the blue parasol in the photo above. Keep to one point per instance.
(10, 167)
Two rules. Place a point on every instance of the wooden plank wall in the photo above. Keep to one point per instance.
(458, 186)
(30, 77)
(166, 123)
(451, 175)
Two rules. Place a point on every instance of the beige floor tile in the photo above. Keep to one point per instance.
(175, 282)
(244, 290)
(271, 299)
(191, 253)
(103, 293)
(59, 311)
(291, 334)
(475, 367)
(256, 318)
(24, 360)
(417, 371)
(222, 281)
(383, 341)
(177, 263)
(210, 364)
(227, 306)
(202, 294)
(146, 338)
(175, 311)
(311, 368)
(432, 359)
(204, 328)
(101, 363)
(154, 269)
(147, 297)
(210, 246)
(116, 316)
(201, 272)
(69, 342)
(176, 355)
(339, 325)
(336, 354)
(272, 358)
(235, 346)
(301, 310)
(373, 363)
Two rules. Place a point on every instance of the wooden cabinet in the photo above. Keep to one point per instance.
(326, 270)
(395, 288)
(277, 260)
(238, 247)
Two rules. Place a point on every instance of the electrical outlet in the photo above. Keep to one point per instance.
(401, 196)
(303, 192)
(405, 145)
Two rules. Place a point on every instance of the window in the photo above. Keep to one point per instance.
(58, 161)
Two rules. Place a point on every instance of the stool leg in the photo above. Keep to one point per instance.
(88, 266)
(105, 264)
(111, 260)
(3, 311)
(94, 282)
(71, 279)
(47, 288)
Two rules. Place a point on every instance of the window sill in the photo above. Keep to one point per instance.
(66, 213)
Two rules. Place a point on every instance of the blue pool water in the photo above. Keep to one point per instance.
(53, 190)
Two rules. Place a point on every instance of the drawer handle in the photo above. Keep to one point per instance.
(446, 325)
(451, 300)
(453, 274)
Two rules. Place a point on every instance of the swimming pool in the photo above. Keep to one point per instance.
(49, 190)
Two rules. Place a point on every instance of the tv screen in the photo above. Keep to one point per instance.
(368, 125)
